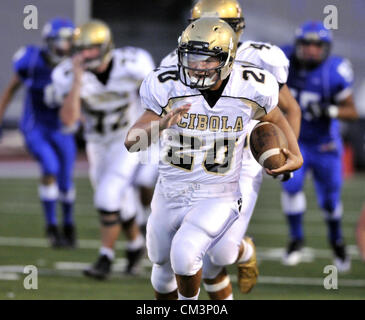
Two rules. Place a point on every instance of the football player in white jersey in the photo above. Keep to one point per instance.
(100, 86)
(272, 59)
(201, 110)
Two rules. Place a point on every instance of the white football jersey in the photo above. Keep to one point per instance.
(261, 54)
(108, 109)
(206, 145)
(266, 56)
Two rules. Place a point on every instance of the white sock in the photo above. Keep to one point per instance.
(181, 297)
(104, 251)
(230, 297)
(135, 244)
(247, 252)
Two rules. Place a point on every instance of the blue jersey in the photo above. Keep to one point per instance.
(40, 107)
(329, 83)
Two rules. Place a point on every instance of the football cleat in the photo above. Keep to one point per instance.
(248, 271)
(294, 253)
(134, 261)
(100, 269)
(342, 260)
(69, 236)
(54, 237)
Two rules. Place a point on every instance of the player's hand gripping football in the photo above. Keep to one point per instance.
(174, 116)
(292, 163)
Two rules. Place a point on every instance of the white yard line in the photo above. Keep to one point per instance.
(282, 230)
(260, 216)
(264, 253)
(43, 243)
(72, 269)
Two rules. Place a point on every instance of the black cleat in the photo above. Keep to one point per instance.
(293, 254)
(54, 237)
(341, 258)
(100, 269)
(134, 260)
(69, 236)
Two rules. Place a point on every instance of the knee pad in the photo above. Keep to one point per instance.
(293, 203)
(188, 249)
(163, 278)
(48, 192)
(224, 253)
(107, 199)
(109, 218)
(68, 196)
(128, 207)
(334, 214)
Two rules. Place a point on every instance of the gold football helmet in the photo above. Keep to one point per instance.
(228, 10)
(94, 34)
(206, 52)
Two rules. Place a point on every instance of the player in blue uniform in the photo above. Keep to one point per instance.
(45, 139)
(322, 84)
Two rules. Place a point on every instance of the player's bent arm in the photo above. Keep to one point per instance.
(71, 108)
(360, 234)
(8, 94)
(139, 135)
(149, 126)
(290, 107)
(293, 154)
(347, 109)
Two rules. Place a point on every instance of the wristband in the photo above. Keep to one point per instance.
(333, 111)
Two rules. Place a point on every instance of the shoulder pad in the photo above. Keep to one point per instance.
(170, 59)
(341, 67)
(267, 56)
(20, 53)
(25, 52)
(63, 71)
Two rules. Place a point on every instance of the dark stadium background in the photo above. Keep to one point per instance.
(155, 25)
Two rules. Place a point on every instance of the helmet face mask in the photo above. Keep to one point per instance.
(206, 52)
(93, 56)
(312, 45)
(312, 53)
(198, 69)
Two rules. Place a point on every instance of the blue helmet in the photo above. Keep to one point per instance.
(313, 32)
(57, 34)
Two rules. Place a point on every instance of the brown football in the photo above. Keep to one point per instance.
(266, 142)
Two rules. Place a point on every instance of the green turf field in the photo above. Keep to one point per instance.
(59, 271)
